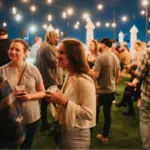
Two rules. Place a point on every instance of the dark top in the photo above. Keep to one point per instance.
(91, 64)
(4, 46)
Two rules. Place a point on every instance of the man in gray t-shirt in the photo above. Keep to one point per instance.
(106, 71)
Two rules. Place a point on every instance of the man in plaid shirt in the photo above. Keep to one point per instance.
(143, 74)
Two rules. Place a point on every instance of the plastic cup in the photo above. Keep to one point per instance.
(20, 90)
(20, 87)
(53, 88)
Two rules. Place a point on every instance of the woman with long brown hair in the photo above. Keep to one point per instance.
(76, 109)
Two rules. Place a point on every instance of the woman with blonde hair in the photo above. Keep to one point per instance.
(94, 52)
(76, 102)
(46, 63)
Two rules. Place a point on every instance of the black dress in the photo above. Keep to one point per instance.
(91, 63)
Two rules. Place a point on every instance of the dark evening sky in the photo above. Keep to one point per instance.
(131, 8)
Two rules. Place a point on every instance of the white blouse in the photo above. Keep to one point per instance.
(81, 108)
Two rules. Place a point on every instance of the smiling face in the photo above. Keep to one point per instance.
(16, 52)
(62, 57)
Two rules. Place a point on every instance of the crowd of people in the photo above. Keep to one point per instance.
(85, 82)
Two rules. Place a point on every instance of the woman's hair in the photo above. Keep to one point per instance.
(127, 48)
(76, 56)
(96, 46)
(23, 42)
(50, 37)
(138, 43)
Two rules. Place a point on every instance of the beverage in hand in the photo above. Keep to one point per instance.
(53, 88)
(21, 93)
(20, 90)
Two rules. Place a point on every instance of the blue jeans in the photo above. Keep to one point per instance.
(105, 100)
(145, 123)
(30, 134)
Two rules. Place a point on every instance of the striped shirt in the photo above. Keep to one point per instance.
(143, 73)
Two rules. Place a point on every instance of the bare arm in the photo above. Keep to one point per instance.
(95, 74)
(39, 94)
(133, 83)
(33, 96)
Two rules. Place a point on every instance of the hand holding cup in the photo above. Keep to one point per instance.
(49, 91)
(19, 92)
(54, 95)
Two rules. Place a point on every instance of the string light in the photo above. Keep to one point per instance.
(49, 1)
(124, 18)
(4, 24)
(25, 1)
(113, 25)
(33, 8)
(145, 2)
(45, 26)
(86, 17)
(18, 17)
(78, 23)
(142, 12)
(100, 7)
(70, 11)
(33, 28)
(14, 10)
(98, 24)
(76, 26)
(107, 24)
(64, 15)
(49, 17)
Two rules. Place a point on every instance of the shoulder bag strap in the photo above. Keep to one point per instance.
(20, 78)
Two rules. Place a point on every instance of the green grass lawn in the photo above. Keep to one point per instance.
(124, 133)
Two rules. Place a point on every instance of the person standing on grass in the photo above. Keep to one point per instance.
(143, 74)
(76, 102)
(106, 71)
(28, 101)
(46, 63)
